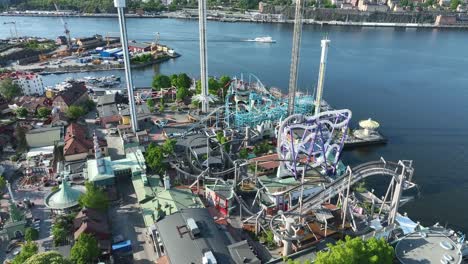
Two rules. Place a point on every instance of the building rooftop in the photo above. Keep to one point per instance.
(427, 246)
(242, 253)
(66, 197)
(135, 161)
(77, 140)
(277, 185)
(106, 99)
(139, 45)
(157, 202)
(108, 110)
(70, 95)
(92, 173)
(179, 245)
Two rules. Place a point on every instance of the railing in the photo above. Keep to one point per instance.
(358, 173)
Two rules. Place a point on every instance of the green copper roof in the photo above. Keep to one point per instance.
(65, 197)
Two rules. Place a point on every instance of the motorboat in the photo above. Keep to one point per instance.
(266, 39)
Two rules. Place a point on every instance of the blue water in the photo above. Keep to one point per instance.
(413, 82)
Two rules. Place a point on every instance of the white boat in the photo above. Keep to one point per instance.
(266, 39)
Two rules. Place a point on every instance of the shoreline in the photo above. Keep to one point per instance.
(245, 20)
(97, 68)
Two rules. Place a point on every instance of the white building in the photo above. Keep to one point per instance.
(30, 83)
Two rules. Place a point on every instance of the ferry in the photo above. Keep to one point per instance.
(266, 39)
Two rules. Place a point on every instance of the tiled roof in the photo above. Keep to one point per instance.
(70, 95)
(77, 141)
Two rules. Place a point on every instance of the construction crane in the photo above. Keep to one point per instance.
(296, 47)
(14, 25)
(65, 27)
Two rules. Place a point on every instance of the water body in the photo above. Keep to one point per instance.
(413, 82)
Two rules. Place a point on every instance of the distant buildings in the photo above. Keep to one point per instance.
(90, 42)
(138, 47)
(30, 83)
(368, 6)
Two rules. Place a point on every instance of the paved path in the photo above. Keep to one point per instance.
(127, 220)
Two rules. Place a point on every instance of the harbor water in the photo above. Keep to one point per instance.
(412, 81)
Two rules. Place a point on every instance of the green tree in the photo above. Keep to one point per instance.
(169, 146)
(85, 250)
(60, 229)
(49, 257)
(27, 250)
(43, 112)
(31, 234)
(9, 89)
(213, 86)
(182, 93)
(21, 112)
(224, 81)
(357, 251)
(2, 182)
(198, 87)
(89, 105)
(74, 112)
(59, 235)
(243, 153)
(161, 81)
(173, 78)
(155, 155)
(150, 104)
(94, 198)
(183, 81)
(454, 4)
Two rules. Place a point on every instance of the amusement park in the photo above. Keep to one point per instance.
(235, 171)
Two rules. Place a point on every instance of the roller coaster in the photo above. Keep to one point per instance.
(249, 104)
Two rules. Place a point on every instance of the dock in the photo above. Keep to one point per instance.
(365, 136)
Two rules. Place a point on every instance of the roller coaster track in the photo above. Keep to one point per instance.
(358, 173)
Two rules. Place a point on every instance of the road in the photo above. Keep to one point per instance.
(126, 220)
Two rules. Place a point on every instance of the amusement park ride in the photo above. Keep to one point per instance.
(309, 139)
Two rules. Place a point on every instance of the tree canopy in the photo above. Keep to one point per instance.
(49, 257)
(43, 112)
(161, 81)
(2, 182)
(74, 112)
(155, 155)
(150, 103)
(61, 228)
(21, 112)
(31, 234)
(27, 250)
(9, 89)
(357, 251)
(94, 198)
(183, 81)
(85, 250)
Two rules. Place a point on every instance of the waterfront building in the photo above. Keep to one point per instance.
(73, 95)
(138, 47)
(65, 199)
(30, 83)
